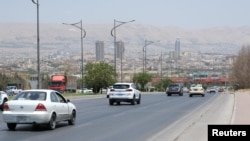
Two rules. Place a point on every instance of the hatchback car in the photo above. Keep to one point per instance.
(196, 89)
(124, 92)
(37, 107)
(3, 98)
(174, 89)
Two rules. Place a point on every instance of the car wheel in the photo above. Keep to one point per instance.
(190, 95)
(72, 118)
(111, 102)
(181, 94)
(169, 94)
(11, 126)
(133, 101)
(139, 100)
(1, 106)
(118, 103)
(52, 122)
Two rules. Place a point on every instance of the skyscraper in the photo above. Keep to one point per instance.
(99, 46)
(177, 48)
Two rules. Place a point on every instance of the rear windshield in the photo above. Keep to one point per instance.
(173, 85)
(31, 96)
(121, 86)
(196, 85)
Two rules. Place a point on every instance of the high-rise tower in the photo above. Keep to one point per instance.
(177, 48)
(99, 45)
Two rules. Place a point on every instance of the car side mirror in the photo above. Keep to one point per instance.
(68, 100)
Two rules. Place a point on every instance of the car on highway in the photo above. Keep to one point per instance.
(185, 90)
(220, 89)
(86, 90)
(3, 98)
(196, 89)
(108, 91)
(124, 92)
(174, 89)
(211, 90)
(38, 107)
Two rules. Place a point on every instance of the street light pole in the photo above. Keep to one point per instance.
(83, 35)
(38, 45)
(113, 34)
(145, 54)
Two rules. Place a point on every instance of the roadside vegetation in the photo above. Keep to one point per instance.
(99, 75)
(240, 75)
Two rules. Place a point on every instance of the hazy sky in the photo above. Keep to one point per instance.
(181, 13)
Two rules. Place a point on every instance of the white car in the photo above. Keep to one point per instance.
(124, 92)
(86, 90)
(38, 106)
(196, 89)
(108, 91)
(211, 90)
(3, 98)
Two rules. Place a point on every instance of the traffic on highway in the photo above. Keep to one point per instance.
(158, 116)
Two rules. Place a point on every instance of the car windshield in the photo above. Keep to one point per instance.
(10, 87)
(196, 85)
(122, 86)
(31, 96)
(174, 85)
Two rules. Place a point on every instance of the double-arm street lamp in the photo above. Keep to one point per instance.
(83, 35)
(145, 53)
(38, 45)
(113, 34)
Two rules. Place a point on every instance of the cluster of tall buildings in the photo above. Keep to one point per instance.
(120, 48)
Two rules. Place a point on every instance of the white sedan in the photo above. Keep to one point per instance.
(86, 90)
(38, 106)
(196, 89)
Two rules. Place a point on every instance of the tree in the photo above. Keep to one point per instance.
(240, 76)
(99, 75)
(142, 78)
(162, 85)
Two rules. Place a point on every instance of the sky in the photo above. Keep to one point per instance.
(180, 13)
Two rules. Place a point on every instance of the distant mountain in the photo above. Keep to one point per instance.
(57, 37)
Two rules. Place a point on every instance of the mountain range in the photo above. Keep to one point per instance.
(21, 38)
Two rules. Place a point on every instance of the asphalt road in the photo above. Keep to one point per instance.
(158, 117)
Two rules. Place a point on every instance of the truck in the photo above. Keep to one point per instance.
(13, 89)
(63, 83)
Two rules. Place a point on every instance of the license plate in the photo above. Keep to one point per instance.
(21, 118)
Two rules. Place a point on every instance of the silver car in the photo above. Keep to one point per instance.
(124, 92)
(37, 107)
